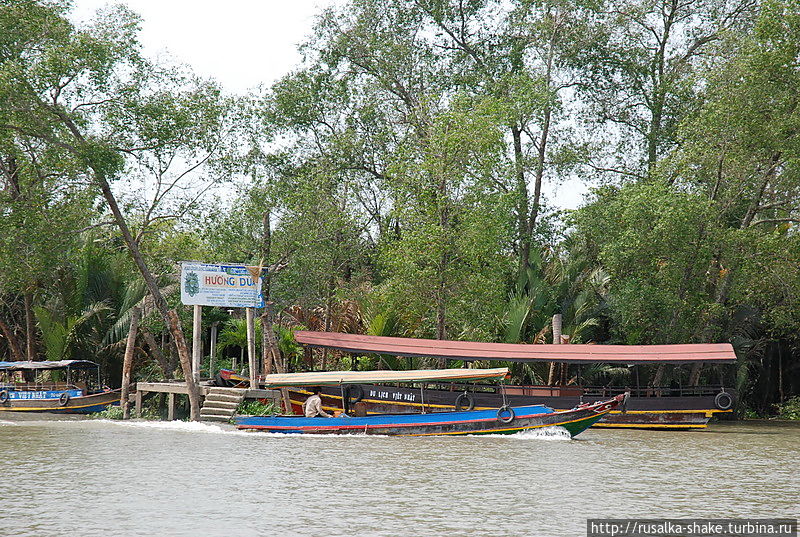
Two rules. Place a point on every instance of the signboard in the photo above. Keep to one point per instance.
(43, 394)
(224, 285)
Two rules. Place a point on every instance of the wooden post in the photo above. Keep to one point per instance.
(251, 348)
(197, 342)
(212, 359)
(170, 406)
(556, 341)
(138, 403)
(186, 364)
(127, 363)
(30, 339)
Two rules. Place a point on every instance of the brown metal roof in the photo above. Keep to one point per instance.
(515, 352)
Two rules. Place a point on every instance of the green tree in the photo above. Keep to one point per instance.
(88, 92)
(641, 79)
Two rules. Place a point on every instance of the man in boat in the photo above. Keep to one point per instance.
(313, 405)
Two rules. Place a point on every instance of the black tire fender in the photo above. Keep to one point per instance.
(63, 400)
(464, 398)
(3, 396)
(505, 414)
(355, 393)
(723, 400)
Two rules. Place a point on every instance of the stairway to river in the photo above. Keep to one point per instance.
(220, 404)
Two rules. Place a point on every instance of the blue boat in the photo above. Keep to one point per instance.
(505, 420)
(64, 387)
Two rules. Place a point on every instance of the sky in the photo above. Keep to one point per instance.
(245, 43)
(240, 43)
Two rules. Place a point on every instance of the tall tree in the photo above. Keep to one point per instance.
(89, 92)
(643, 77)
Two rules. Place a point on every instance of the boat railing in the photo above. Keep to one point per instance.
(587, 391)
(39, 386)
(657, 391)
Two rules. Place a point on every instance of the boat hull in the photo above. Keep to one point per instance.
(664, 412)
(47, 402)
(492, 421)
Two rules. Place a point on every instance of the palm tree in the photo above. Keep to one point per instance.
(555, 282)
(234, 334)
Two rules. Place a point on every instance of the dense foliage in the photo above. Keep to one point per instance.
(397, 183)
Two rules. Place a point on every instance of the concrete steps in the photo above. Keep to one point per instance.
(220, 404)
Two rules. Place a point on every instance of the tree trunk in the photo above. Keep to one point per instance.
(781, 395)
(270, 351)
(659, 95)
(186, 364)
(127, 363)
(13, 344)
(694, 375)
(441, 328)
(543, 137)
(161, 360)
(328, 315)
(170, 316)
(280, 365)
(557, 322)
(539, 175)
(30, 340)
(269, 347)
(658, 378)
(524, 237)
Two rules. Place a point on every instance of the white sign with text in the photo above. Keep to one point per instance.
(224, 285)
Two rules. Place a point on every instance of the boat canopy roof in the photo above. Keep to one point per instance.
(329, 378)
(516, 352)
(36, 366)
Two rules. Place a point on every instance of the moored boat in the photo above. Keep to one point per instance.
(651, 407)
(64, 387)
(505, 420)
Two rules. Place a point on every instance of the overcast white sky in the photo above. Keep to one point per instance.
(244, 43)
(241, 43)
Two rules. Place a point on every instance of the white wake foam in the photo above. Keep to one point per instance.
(544, 433)
(180, 426)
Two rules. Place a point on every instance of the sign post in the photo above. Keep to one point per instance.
(197, 342)
(224, 285)
(251, 348)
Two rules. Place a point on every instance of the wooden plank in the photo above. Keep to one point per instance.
(170, 406)
(165, 387)
(274, 395)
(168, 387)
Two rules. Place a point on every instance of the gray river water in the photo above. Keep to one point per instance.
(64, 478)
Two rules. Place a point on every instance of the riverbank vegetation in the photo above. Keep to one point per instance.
(406, 179)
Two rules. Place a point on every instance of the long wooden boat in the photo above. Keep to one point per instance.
(649, 407)
(505, 420)
(63, 387)
(654, 408)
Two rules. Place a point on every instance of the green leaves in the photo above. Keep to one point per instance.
(656, 245)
